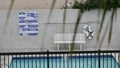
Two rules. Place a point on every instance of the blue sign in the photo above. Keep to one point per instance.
(28, 23)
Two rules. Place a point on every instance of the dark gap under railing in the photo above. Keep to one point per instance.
(61, 59)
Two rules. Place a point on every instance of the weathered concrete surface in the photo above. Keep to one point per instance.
(10, 40)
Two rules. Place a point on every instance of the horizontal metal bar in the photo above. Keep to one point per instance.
(59, 52)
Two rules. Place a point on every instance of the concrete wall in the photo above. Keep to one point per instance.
(10, 40)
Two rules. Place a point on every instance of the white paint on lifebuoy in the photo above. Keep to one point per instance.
(88, 32)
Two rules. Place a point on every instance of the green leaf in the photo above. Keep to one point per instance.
(100, 2)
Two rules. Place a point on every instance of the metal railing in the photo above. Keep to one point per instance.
(62, 59)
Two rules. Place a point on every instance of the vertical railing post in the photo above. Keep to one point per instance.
(47, 58)
(99, 58)
(0, 61)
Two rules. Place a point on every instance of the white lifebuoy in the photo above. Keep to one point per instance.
(88, 32)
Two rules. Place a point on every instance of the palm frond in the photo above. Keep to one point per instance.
(51, 10)
(80, 13)
(104, 35)
(64, 18)
(112, 19)
(46, 27)
(8, 15)
(102, 21)
(100, 2)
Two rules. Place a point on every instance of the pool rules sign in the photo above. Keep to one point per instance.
(28, 23)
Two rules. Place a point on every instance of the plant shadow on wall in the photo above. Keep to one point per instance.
(104, 5)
